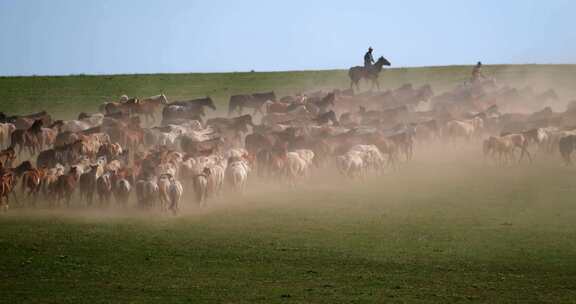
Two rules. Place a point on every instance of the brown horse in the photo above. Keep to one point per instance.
(255, 101)
(28, 138)
(8, 178)
(7, 182)
(149, 106)
(65, 186)
(370, 73)
(32, 181)
(9, 155)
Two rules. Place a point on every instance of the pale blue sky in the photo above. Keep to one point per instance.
(147, 36)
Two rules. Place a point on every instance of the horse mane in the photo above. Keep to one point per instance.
(36, 126)
(23, 167)
(57, 123)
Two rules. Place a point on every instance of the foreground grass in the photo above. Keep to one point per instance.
(65, 96)
(469, 233)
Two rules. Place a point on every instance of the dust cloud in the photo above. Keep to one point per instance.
(438, 167)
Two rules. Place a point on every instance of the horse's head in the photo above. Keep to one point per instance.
(37, 125)
(163, 99)
(383, 61)
(83, 115)
(209, 103)
(57, 124)
(247, 119)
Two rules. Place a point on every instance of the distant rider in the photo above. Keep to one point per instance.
(368, 59)
(477, 72)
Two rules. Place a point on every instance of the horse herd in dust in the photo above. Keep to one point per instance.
(121, 154)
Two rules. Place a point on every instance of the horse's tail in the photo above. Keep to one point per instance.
(351, 78)
(351, 73)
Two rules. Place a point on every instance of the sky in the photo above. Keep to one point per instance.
(61, 37)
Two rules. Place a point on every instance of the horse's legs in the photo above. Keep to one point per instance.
(90, 198)
(528, 154)
(4, 203)
(15, 198)
(513, 157)
(377, 84)
(524, 151)
(355, 83)
(68, 198)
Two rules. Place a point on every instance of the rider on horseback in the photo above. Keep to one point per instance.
(477, 73)
(368, 59)
(369, 71)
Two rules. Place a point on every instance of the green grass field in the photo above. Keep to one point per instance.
(448, 231)
(445, 228)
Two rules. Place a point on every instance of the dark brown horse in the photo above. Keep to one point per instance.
(370, 73)
(567, 145)
(29, 138)
(325, 102)
(186, 110)
(255, 101)
(325, 118)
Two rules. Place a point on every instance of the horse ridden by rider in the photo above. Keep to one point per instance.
(369, 71)
(477, 73)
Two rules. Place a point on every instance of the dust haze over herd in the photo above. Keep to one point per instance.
(159, 155)
(363, 152)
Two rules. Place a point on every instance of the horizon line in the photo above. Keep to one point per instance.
(268, 71)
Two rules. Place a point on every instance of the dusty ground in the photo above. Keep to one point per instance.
(444, 228)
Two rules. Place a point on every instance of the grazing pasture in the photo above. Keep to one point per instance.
(469, 233)
(432, 190)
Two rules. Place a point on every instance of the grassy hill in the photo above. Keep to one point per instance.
(66, 95)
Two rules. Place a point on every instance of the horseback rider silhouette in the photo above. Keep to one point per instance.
(477, 73)
(368, 59)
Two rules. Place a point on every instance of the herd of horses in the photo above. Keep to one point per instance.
(151, 151)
